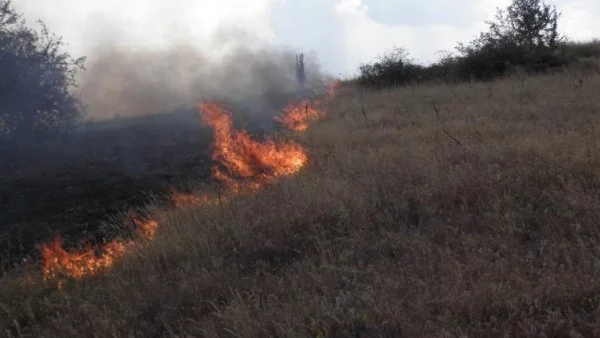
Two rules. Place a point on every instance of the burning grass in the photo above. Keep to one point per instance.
(59, 263)
(249, 164)
(246, 158)
(297, 117)
(466, 210)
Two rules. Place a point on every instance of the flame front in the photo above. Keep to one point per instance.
(59, 262)
(181, 200)
(80, 263)
(146, 228)
(333, 87)
(248, 164)
(246, 158)
(296, 117)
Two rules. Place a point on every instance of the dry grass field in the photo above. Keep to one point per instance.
(467, 210)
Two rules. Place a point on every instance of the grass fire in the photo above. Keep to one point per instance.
(246, 158)
(59, 263)
(249, 164)
(223, 185)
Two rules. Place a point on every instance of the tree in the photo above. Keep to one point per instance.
(524, 34)
(526, 23)
(36, 80)
(393, 68)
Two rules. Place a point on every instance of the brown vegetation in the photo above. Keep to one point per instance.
(469, 209)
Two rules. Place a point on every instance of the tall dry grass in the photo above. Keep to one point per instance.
(465, 210)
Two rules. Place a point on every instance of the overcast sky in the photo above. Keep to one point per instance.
(343, 33)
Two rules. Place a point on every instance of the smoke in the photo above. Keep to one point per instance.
(123, 80)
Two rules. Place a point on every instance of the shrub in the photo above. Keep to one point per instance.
(577, 50)
(525, 34)
(523, 38)
(391, 69)
(35, 98)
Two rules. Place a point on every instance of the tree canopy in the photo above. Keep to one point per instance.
(36, 81)
(524, 35)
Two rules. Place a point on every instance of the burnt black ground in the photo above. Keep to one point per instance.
(79, 188)
(75, 187)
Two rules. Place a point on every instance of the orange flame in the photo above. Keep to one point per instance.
(181, 200)
(332, 88)
(146, 228)
(82, 263)
(296, 117)
(245, 157)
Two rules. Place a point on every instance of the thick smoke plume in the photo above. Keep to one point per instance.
(132, 81)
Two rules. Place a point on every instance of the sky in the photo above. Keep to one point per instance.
(342, 33)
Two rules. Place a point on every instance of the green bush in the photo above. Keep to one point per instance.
(391, 69)
(36, 102)
(523, 37)
(577, 50)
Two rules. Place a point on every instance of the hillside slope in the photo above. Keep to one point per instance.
(426, 211)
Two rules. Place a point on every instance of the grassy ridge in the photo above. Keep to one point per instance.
(426, 211)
